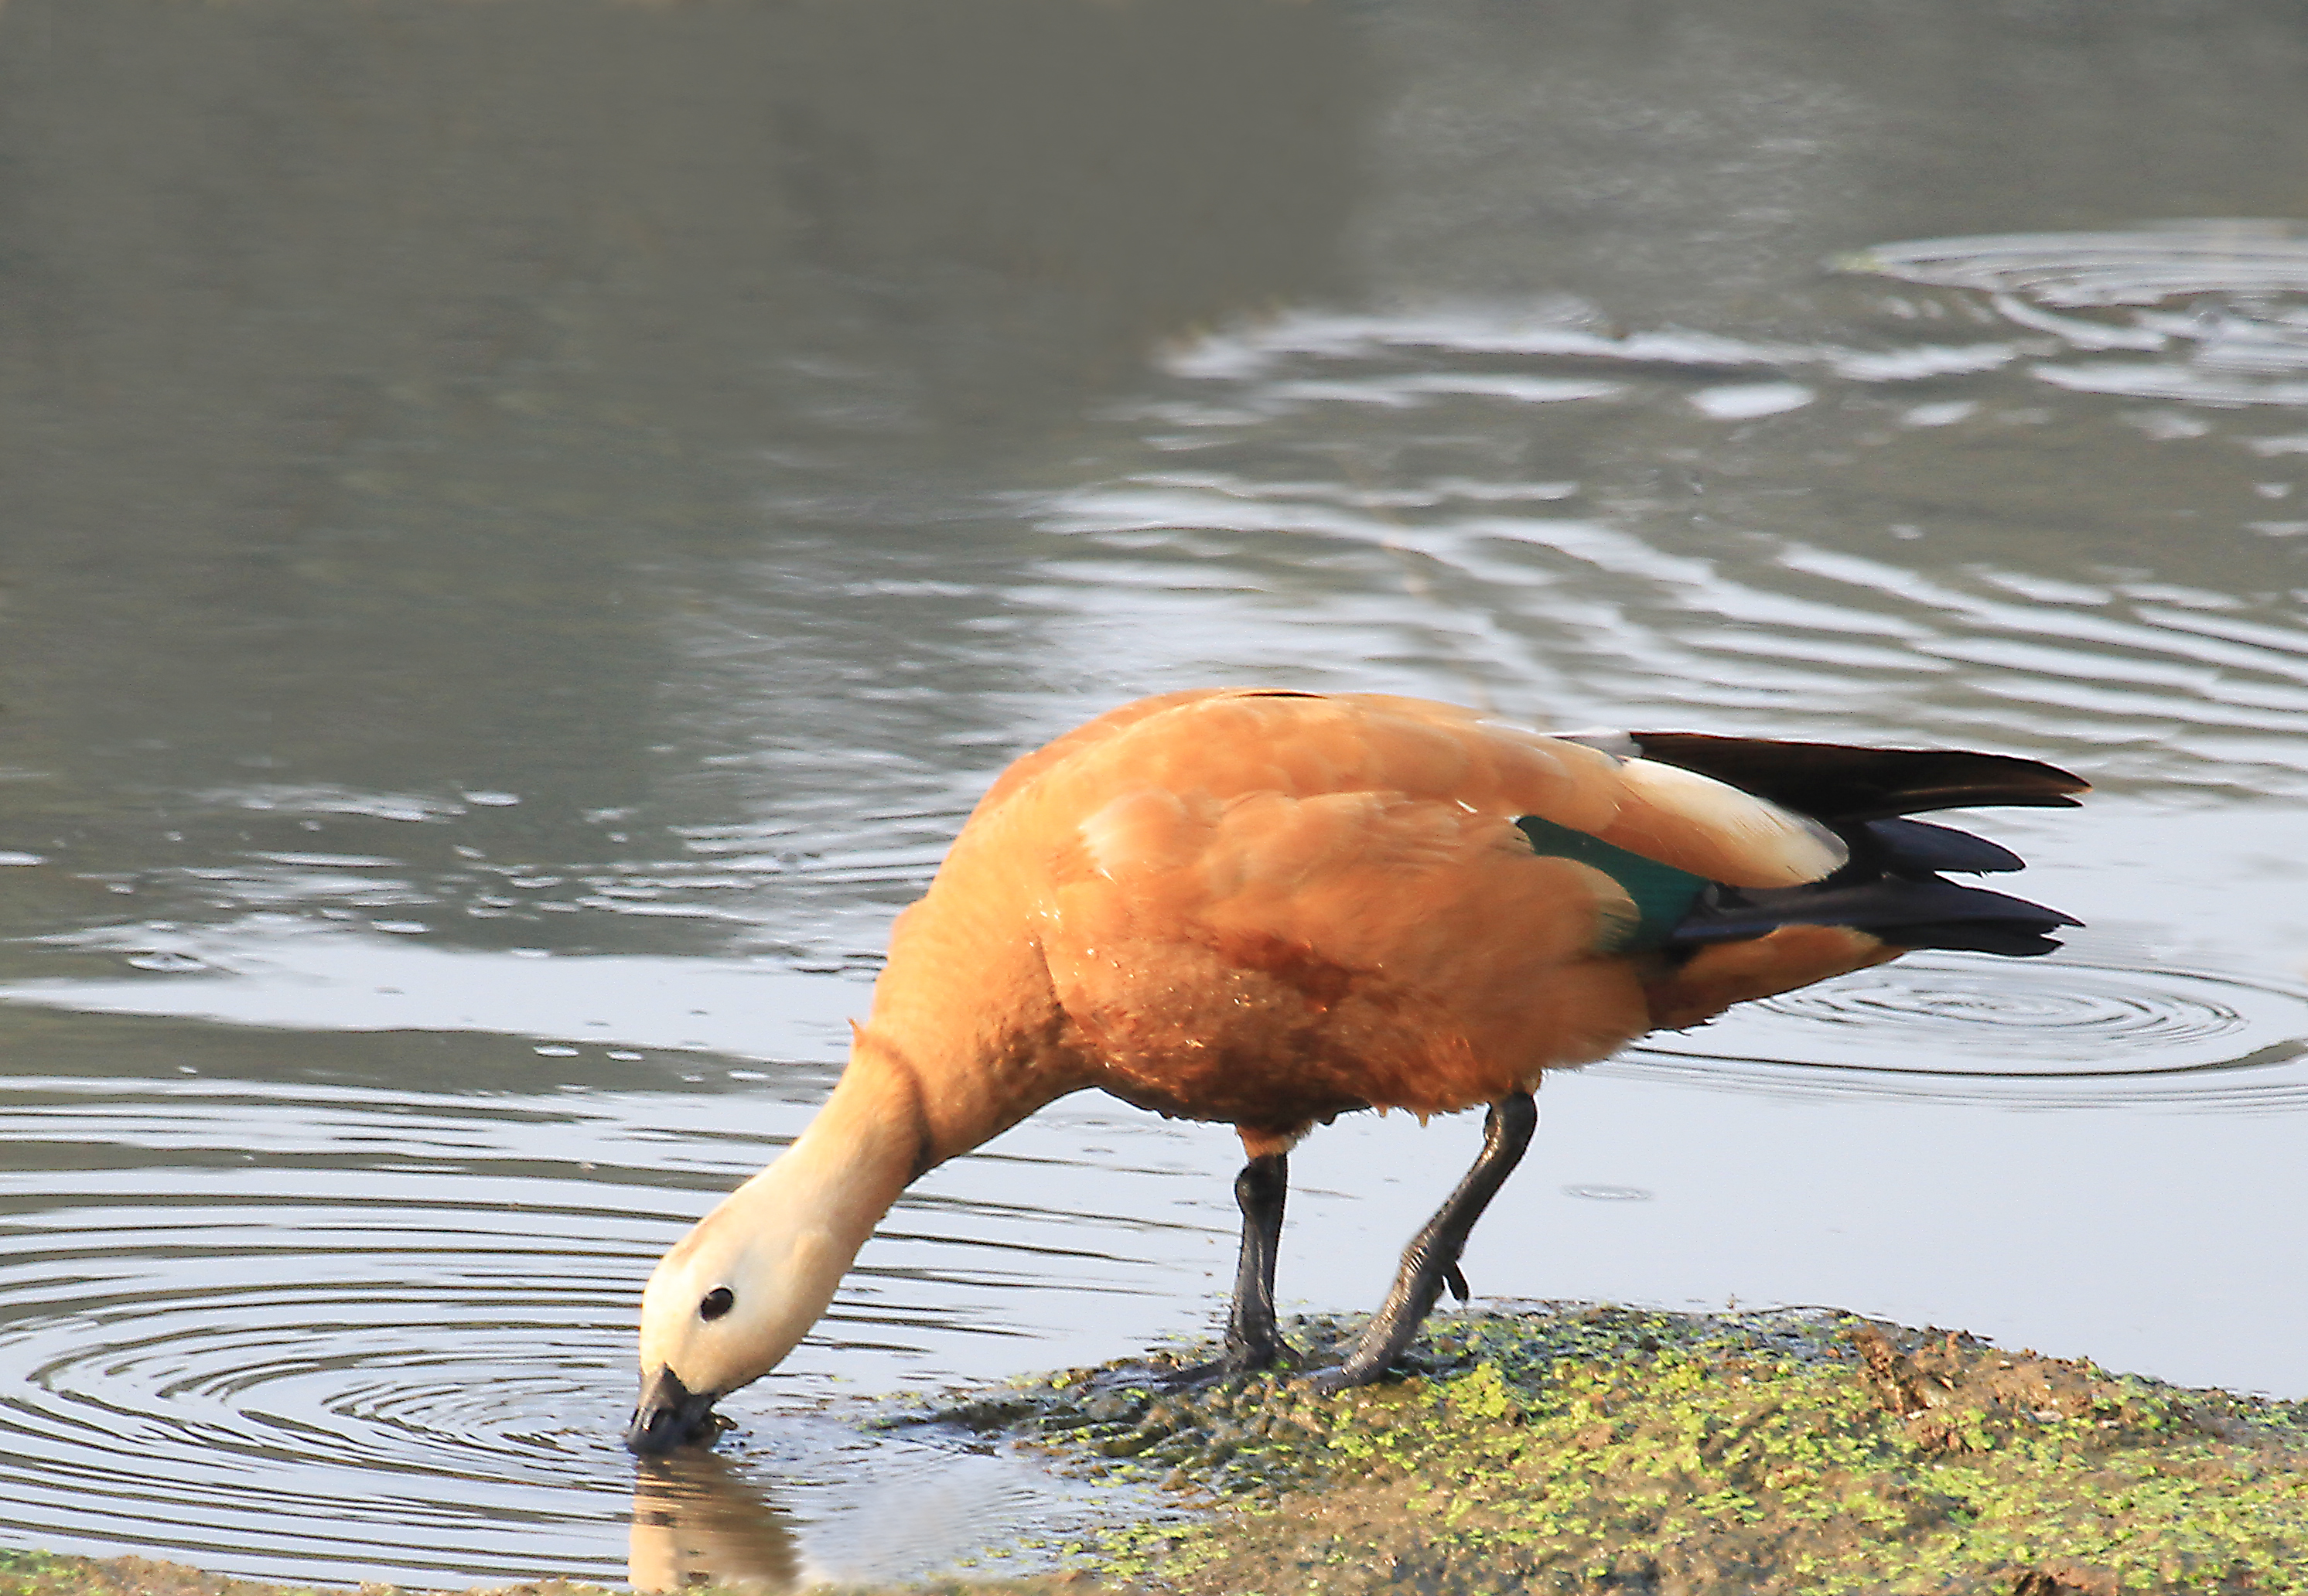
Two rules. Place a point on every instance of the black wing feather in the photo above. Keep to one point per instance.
(1892, 887)
(1837, 782)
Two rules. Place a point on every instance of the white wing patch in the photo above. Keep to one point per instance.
(1795, 847)
(1609, 740)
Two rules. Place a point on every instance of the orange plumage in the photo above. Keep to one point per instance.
(1270, 908)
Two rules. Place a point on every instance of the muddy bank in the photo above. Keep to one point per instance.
(1590, 1449)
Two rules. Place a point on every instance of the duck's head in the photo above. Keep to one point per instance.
(723, 1308)
(740, 1291)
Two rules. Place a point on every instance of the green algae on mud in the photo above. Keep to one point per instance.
(55, 1574)
(1576, 1449)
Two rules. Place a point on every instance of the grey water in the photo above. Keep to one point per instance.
(525, 525)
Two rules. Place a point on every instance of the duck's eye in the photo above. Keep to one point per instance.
(717, 1302)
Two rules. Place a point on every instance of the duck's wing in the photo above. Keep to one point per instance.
(1667, 816)
(1238, 744)
(1254, 875)
(1271, 911)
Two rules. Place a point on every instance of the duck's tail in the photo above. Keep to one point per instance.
(1892, 888)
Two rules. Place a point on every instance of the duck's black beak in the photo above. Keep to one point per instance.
(669, 1414)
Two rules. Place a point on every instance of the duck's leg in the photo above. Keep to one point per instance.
(1431, 1261)
(1252, 1340)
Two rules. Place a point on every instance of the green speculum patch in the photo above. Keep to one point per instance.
(1662, 894)
(1590, 1449)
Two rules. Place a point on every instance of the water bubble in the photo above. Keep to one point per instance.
(1608, 1194)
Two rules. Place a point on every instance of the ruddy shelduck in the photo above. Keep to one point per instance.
(1270, 908)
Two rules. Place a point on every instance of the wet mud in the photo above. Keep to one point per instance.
(1592, 1449)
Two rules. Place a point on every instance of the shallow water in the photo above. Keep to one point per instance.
(531, 526)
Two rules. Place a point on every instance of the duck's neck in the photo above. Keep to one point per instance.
(889, 1121)
(967, 1036)
(964, 1043)
(847, 1167)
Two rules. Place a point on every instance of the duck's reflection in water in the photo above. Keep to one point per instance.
(696, 1521)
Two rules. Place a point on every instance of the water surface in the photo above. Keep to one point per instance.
(531, 524)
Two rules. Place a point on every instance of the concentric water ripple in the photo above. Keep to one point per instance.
(353, 1333)
(2239, 328)
(2139, 267)
(274, 1407)
(2040, 1034)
